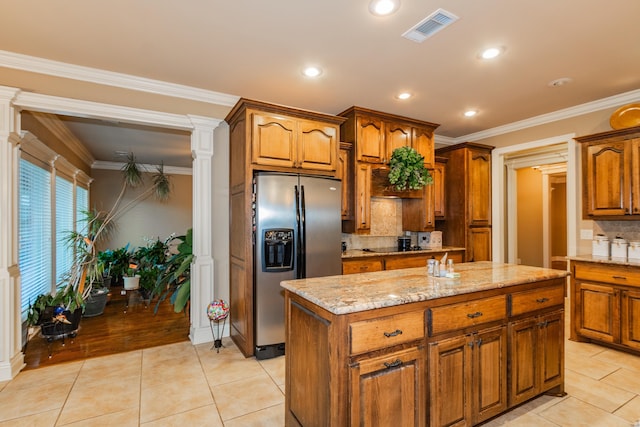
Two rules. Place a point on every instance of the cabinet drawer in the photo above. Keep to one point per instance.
(463, 315)
(607, 273)
(362, 266)
(536, 299)
(388, 331)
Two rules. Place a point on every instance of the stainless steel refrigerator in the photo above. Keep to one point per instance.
(297, 235)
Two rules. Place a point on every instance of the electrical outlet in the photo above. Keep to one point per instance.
(586, 234)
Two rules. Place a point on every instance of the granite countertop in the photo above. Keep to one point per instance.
(365, 291)
(359, 253)
(606, 260)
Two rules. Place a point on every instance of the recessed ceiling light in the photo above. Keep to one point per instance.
(470, 113)
(403, 95)
(491, 53)
(559, 82)
(383, 7)
(312, 71)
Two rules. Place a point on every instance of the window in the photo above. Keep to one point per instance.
(34, 255)
(64, 225)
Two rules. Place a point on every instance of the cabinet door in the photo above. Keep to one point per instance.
(524, 366)
(363, 198)
(317, 145)
(479, 187)
(631, 319)
(551, 350)
(438, 174)
(450, 382)
(599, 313)
(389, 390)
(405, 261)
(607, 179)
(422, 142)
(396, 136)
(273, 140)
(490, 373)
(342, 173)
(370, 140)
(479, 244)
(418, 214)
(635, 176)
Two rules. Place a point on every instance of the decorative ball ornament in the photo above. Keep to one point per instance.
(217, 310)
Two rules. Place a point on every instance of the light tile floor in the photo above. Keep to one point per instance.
(185, 385)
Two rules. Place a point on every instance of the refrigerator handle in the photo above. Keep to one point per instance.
(303, 246)
(298, 240)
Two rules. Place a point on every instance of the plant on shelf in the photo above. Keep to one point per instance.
(407, 170)
(175, 279)
(86, 269)
(150, 260)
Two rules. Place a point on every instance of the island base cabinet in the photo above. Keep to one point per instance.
(388, 390)
(468, 378)
(536, 354)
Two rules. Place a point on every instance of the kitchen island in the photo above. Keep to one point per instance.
(403, 348)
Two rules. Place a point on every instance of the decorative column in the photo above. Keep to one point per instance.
(11, 357)
(202, 269)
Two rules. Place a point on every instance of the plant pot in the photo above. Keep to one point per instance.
(52, 330)
(131, 283)
(96, 302)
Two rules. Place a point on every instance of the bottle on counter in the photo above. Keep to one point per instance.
(450, 266)
(436, 268)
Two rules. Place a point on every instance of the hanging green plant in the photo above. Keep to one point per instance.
(407, 170)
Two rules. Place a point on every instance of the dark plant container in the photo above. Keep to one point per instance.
(52, 330)
(96, 302)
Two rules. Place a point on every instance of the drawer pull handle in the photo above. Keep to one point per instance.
(619, 277)
(474, 315)
(393, 334)
(393, 364)
(542, 300)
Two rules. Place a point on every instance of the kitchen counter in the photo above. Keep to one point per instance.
(605, 260)
(367, 291)
(401, 347)
(358, 253)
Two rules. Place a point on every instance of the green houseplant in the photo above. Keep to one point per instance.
(175, 279)
(407, 170)
(86, 269)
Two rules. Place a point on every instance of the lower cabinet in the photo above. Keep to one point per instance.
(605, 302)
(389, 390)
(468, 377)
(536, 354)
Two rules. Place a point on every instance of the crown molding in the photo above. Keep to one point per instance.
(169, 170)
(566, 113)
(109, 78)
(62, 132)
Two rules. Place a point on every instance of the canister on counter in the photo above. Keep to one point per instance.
(430, 263)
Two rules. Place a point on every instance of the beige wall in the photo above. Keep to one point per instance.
(149, 218)
(529, 219)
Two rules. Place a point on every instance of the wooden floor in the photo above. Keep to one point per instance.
(113, 332)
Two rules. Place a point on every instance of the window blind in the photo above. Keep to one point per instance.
(34, 253)
(64, 225)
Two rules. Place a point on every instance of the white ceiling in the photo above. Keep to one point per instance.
(256, 49)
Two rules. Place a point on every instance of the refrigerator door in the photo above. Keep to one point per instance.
(275, 210)
(322, 226)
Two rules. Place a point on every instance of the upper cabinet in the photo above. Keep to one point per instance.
(374, 135)
(611, 174)
(377, 134)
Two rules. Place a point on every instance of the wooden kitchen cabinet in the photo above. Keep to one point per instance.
(396, 261)
(468, 201)
(363, 198)
(290, 142)
(605, 302)
(536, 349)
(439, 194)
(389, 390)
(344, 172)
(362, 265)
(468, 377)
(611, 174)
(270, 137)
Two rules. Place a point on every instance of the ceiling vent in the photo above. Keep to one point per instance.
(430, 25)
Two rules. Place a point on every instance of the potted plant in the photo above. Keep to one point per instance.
(131, 278)
(407, 170)
(175, 279)
(86, 269)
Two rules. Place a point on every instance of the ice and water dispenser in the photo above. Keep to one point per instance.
(277, 251)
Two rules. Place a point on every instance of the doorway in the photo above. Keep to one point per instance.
(536, 225)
